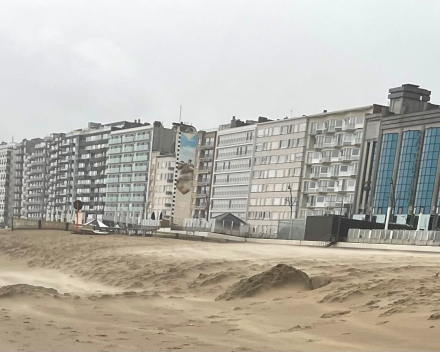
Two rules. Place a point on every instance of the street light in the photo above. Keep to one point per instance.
(289, 200)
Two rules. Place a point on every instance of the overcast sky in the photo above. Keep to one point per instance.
(65, 63)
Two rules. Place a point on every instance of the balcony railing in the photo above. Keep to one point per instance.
(140, 158)
(140, 148)
(114, 161)
(139, 179)
(140, 168)
(142, 137)
(114, 151)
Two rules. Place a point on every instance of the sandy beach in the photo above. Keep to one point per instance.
(63, 292)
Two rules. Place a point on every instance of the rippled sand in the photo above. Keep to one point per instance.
(117, 293)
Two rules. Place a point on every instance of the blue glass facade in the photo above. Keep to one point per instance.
(406, 171)
(385, 172)
(428, 169)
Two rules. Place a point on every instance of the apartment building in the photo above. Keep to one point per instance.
(234, 151)
(401, 160)
(36, 180)
(21, 153)
(6, 183)
(161, 189)
(128, 167)
(203, 173)
(277, 172)
(332, 160)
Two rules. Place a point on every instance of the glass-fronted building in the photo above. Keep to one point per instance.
(400, 167)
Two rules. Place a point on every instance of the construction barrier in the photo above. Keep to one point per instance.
(406, 237)
(28, 224)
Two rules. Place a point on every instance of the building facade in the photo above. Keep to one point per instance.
(7, 181)
(234, 153)
(400, 159)
(160, 198)
(203, 174)
(276, 174)
(128, 167)
(332, 160)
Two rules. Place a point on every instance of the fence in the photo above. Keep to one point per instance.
(291, 229)
(28, 224)
(217, 226)
(408, 237)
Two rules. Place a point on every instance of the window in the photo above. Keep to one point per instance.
(385, 170)
(284, 144)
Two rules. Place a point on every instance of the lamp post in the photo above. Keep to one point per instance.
(289, 200)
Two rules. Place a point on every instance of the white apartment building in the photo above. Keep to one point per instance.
(203, 173)
(128, 167)
(160, 197)
(277, 172)
(332, 158)
(6, 184)
(36, 180)
(232, 171)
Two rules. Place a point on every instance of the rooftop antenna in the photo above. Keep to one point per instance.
(180, 116)
(291, 113)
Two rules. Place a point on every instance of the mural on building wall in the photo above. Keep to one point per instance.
(185, 176)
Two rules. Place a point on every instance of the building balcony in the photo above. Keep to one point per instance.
(205, 171)
(140, 158)
(112, 180)
(138, 189)
(128, 159)
(142, 137)
(206, 158)
(128, 139)
(139, 179)
(203, 183)
(125, 179)
(113, 161)
(124, 199)
(140, 168)
(107, 208)
(207, 146)
(349, 127)
(126, 169)
(140, 148)
(137, 199)
(114, 151)
(201, 195)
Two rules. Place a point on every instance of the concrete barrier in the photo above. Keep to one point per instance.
(29, 224)
(25, 224)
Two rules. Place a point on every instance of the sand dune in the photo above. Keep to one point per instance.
(111, 293)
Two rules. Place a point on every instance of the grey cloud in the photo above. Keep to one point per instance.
(64, 63)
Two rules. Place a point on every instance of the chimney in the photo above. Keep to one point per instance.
(324, 111)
